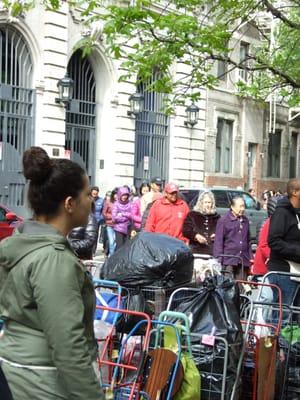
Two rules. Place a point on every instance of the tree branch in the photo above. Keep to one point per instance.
(280, 15)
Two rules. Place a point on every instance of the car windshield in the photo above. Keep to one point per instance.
(250, 203)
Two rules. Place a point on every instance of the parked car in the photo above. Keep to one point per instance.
(8, 221)
(223, 196)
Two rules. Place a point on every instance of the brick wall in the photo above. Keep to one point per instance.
(223, 180)
(269, 184)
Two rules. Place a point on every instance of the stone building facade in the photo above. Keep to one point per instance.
(248, 144)
(95, 129)
(230, 144)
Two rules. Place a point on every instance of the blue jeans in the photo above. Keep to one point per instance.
(289, 289)
(287, 285)
(111, 239)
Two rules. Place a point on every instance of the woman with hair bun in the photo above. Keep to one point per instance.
(47, 301)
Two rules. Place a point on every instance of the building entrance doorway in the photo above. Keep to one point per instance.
(17, 100)
(81, 114)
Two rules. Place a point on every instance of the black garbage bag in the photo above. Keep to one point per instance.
(150, 258)
(215, 309)
(134, 301)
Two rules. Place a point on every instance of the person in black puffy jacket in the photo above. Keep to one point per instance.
(84, 238)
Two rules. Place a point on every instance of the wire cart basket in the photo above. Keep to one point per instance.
(261, 323)
(212, 356)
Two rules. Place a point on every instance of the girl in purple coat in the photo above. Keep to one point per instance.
(121, 216)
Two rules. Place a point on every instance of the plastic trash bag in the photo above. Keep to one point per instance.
(204, 268)
(135, 301)
(261, 329)
(150, 258)
(101, 329)
(215, 310)
(190, 388)
(107, 300)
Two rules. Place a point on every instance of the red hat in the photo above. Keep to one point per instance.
(171, 188)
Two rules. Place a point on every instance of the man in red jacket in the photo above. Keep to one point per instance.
(168, 214)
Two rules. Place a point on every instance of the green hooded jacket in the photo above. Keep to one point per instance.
(47, 301)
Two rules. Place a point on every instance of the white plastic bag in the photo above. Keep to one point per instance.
(205, 267)
(261, 330)
(102, 330)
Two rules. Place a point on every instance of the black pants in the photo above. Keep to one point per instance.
(4, 389)
(104, 239)
(120, 239)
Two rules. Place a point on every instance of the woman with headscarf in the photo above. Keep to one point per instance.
(200, 224)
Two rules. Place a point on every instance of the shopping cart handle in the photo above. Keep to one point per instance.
(164, 315)
(106, 283)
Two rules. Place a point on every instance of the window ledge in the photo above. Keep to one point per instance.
(223, 174)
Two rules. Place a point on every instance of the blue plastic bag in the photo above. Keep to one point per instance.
(107, 300)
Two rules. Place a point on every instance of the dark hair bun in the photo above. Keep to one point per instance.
(37, 165)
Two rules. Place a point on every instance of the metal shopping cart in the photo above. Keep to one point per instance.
(155, 381)
(261, 323)
(217, 358)
(157, 297)
(288, 370)
(125, 380)
(108, 294)
(288, 361)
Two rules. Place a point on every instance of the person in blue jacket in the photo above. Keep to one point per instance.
(98, 201)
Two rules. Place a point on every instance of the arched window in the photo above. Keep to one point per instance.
(152, 136)
(16, 115)
(81, 114)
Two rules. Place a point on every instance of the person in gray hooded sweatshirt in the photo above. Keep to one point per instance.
(47, 300)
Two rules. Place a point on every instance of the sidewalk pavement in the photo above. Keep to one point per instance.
(99, 255)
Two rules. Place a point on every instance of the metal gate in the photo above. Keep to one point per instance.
(81, 114)
(152, 138)
(16, 116)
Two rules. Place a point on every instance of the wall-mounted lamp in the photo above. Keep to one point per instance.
(136, 102)
(65, 90)
(192, 115)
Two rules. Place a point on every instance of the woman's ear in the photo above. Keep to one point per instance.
(69, 205)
